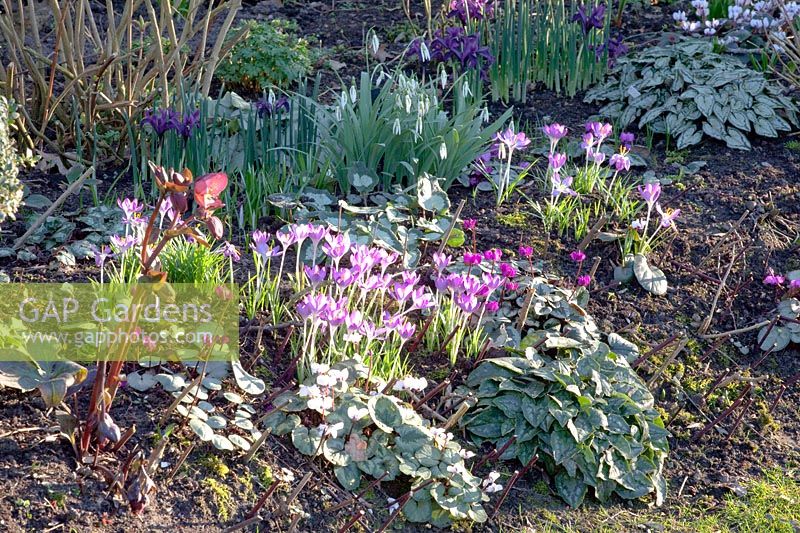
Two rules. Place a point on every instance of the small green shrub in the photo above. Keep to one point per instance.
(271, 54)
(571, 399)
(10, 186)
(687, 91)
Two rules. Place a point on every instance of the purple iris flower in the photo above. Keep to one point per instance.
(466, 10)
(186, 124)
(161, 120)
(626, 139)
(266, 107)
(595, 19)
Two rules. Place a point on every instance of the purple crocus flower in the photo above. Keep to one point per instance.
(556, 161)
(597, 156)
(525, 251)
(336, 245)
(584, 281)
(467, 303)
(441, 261)
(315, 274)
(227, 249)
(601, 130)
(492, 282)
(122, 244)
(667, 217)
(314, 306)
(101, 255)
(161, 120)
(555, 131)
(421, 299)
(260, 243)
(441, 283)
(511, 140)
(131, 211)
(578, 256)
(773, 279)
(587, 141)
(343, 277)
(317, 233)
(620, 162)
(650, 193)
(562, 185)
(406, 330)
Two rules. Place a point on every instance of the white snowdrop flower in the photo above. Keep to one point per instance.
(466, 90)
(408, 103)
(443, 78)
(396, 127)
(338, 114)
(376, 43)
(381, 75)
(353, 94)
(424, 52)
(319, 368)
(485, 114)
(679, 16)
(413, 383)
(443, 151)
(343, 100)
(271, 97)
(355, 413)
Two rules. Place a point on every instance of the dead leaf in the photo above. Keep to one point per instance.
(356, 448)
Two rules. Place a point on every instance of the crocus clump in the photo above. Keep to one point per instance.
(641, 239)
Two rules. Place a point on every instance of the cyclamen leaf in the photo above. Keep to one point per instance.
(651, 278)
(736, 139)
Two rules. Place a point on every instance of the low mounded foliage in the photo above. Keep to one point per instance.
(374, 433)
(10, 186)
(687, 91)
(573, 402)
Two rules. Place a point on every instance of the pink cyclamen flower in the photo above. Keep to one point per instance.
(650, 193)
(492, 306)
(469, 224)
(511, 285)
(773, 279)
(794, 284)
(556, 161)
(578, 256)
(493, 254)
(472, 259)
(508, 270)
(584, 281)
(525, 251)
